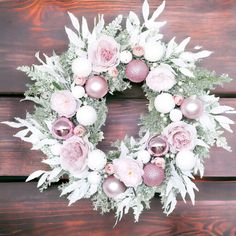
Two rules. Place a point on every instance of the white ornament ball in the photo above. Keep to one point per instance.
(81, 67)
(185, 160)
(164, 103)
(56, 149)
(97, 159)
(78, 91)
(126, 56)
(154, 51)
(94, 177)
(86, 115)
(144, 156)
(176, 115)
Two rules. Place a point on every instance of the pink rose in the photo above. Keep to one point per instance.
(160, 79)
(128, 171)
(64, 103)
(80, 80)
(113, 72)
(178, 99)
(109, 169)
(159, 161)
(180, 135)
(138, 51)
(79, 131)
(73, 156)
(103, 53)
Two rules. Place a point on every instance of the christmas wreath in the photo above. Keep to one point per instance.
(184, 120)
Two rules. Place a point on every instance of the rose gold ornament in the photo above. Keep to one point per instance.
(137, 71)
(157, 146)
(113, 187)
(153, 175)
(96, 87)
(62, 128)
(192, 108)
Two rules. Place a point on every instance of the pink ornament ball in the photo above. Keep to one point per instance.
(96, 87)
(136, 71)
(153, 175)
(62, 128)
(113, 187)
(192, 108)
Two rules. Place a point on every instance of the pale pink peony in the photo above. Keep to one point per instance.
(80, 80)
(160, 79)
(64, 103)
(129, 171)
(113, 72)
(103, 53)
(180, 136)
(73, 156)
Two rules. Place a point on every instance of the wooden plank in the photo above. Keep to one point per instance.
(29, 26)
(24, 211)
(16, 158)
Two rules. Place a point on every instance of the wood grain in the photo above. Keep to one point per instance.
(16, 158)
(30, 213)
(28, 26)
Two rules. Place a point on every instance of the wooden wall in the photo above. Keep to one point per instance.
(28, 26)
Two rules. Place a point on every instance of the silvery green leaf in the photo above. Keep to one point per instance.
(186, 72)
(170, 47)
(226, 127)
(21, 134)
(197, 47)
(123, 150)
(145, 10)
(54, 173)
(85, 29)
(223, 119)
(190, 188)
(12, 124)
(158, 11)
(78, 193)
(202, 54)
(70, 188)
(42, 179)
(100, 25)
(170, 203)
(132, 142)
(92, 189)
(221, 109)
(134, 19)
(182, 45)
(179, 62)
(207, 121)
(199, 167)
(52, 161)
(34, 175)
(44, 142)
(202, 143)
(73, 37)
(154, 25)
(145, 138)
(74, 22)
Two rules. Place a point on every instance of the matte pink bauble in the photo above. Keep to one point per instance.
(62, 128)
(96, 87)
(113, 187)
(192, 108)
(136, 71)
(157, 146)
(153, 175)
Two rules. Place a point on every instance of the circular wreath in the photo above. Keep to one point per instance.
(183, 121)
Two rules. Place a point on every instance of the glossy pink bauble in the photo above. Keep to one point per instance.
(96, 87)
(157, 146)
(153, 175)
(113, 187)
(62, 128)
(136, 71)
(192, 108)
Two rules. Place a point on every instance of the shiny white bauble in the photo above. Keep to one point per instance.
(126, 56)
(94, 177)
(81, 67)
(154, 51)
(176, 115)
(78, 91)
(86, 115)
(185, 160)
(56, 149)
(97, 159)
(144, 156)
(164, 103)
